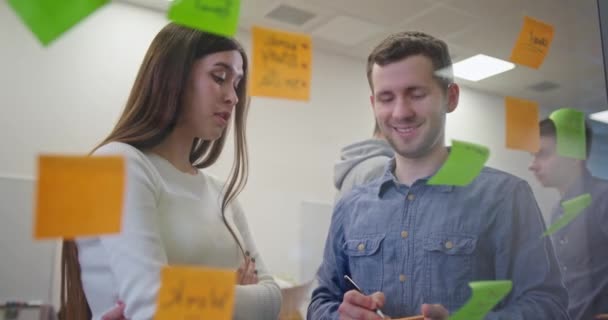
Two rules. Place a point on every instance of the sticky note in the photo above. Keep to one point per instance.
(522, 129)
(195, 293)
(572, 208)
(282, 64)
(571, 137)
(533, 43)
(463, 165)
(486, 294)
(49, 19)
(79, 196)
(214, 16)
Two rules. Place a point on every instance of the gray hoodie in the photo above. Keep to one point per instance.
(360, 163)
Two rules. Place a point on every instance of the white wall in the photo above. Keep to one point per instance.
(66, 97)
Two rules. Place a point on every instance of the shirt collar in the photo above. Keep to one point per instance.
(389, 180)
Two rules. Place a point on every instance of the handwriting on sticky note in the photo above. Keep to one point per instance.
(571, 136)
(221, 9)
(522, 129)
(213, 16)
(79, 196)
(196, 293)
(49, 19)
(281, 64)
(486, 294)
(572, 208)
(465, 162)
(533, 43)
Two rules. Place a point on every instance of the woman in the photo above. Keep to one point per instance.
(189, 87)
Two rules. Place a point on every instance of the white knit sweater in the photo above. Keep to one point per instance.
(170, 218)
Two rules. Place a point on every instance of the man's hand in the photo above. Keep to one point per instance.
(434, 312)
(247, 273)
(356, 306)
(115, 314)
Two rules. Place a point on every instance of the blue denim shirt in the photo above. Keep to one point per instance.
(424, 244)
(581, 249)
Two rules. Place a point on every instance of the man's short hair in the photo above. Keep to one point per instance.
(401, 45)
(548, 129)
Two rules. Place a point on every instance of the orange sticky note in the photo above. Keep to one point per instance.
(79, 196)
(533, 43)
(522, 129)
(195, 293)
(282, 63)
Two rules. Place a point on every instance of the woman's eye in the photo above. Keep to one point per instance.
(218, 79)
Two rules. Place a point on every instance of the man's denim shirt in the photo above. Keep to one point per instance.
(425, 243)
(581, 249)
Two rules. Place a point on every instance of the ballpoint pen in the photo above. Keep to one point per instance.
(378, 312)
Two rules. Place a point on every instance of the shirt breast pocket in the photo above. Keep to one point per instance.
(449, 268)
(365, 261)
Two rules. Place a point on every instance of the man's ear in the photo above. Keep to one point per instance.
(371, 101)
(453, 96)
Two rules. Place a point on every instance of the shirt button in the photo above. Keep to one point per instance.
(402, 278)
(411, 197)
(361, 247)
(404, 234)
(565, 268)
(449, 245)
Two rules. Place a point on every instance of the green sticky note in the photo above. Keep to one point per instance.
(215, 16)
(486, 294)
(572, 208)
(48, 19)
(463, 164)
(571, 138)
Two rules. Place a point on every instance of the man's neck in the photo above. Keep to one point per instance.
(408, 170)
(568, 182)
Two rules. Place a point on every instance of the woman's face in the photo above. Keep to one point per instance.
(211, 94)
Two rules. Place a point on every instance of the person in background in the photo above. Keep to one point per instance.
(580, 246)
(412, 247)
(361, 162)
(190, 87)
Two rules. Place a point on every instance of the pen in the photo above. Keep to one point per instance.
(378, 312)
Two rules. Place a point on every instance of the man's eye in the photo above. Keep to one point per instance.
(417, 96)
(385, 99)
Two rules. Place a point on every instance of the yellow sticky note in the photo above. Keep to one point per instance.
(79, 196)
(195, 293)
(282, 63)
(533, 43)
(522, 129)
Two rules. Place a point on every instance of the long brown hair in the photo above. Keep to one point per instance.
(150, 114)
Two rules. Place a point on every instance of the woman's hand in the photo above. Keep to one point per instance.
(115, 314)
(247, 273)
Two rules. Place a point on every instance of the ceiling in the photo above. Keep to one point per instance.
(574, 65)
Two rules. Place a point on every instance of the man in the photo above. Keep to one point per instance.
(581, 245)
(413, 248)
(361, 162)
